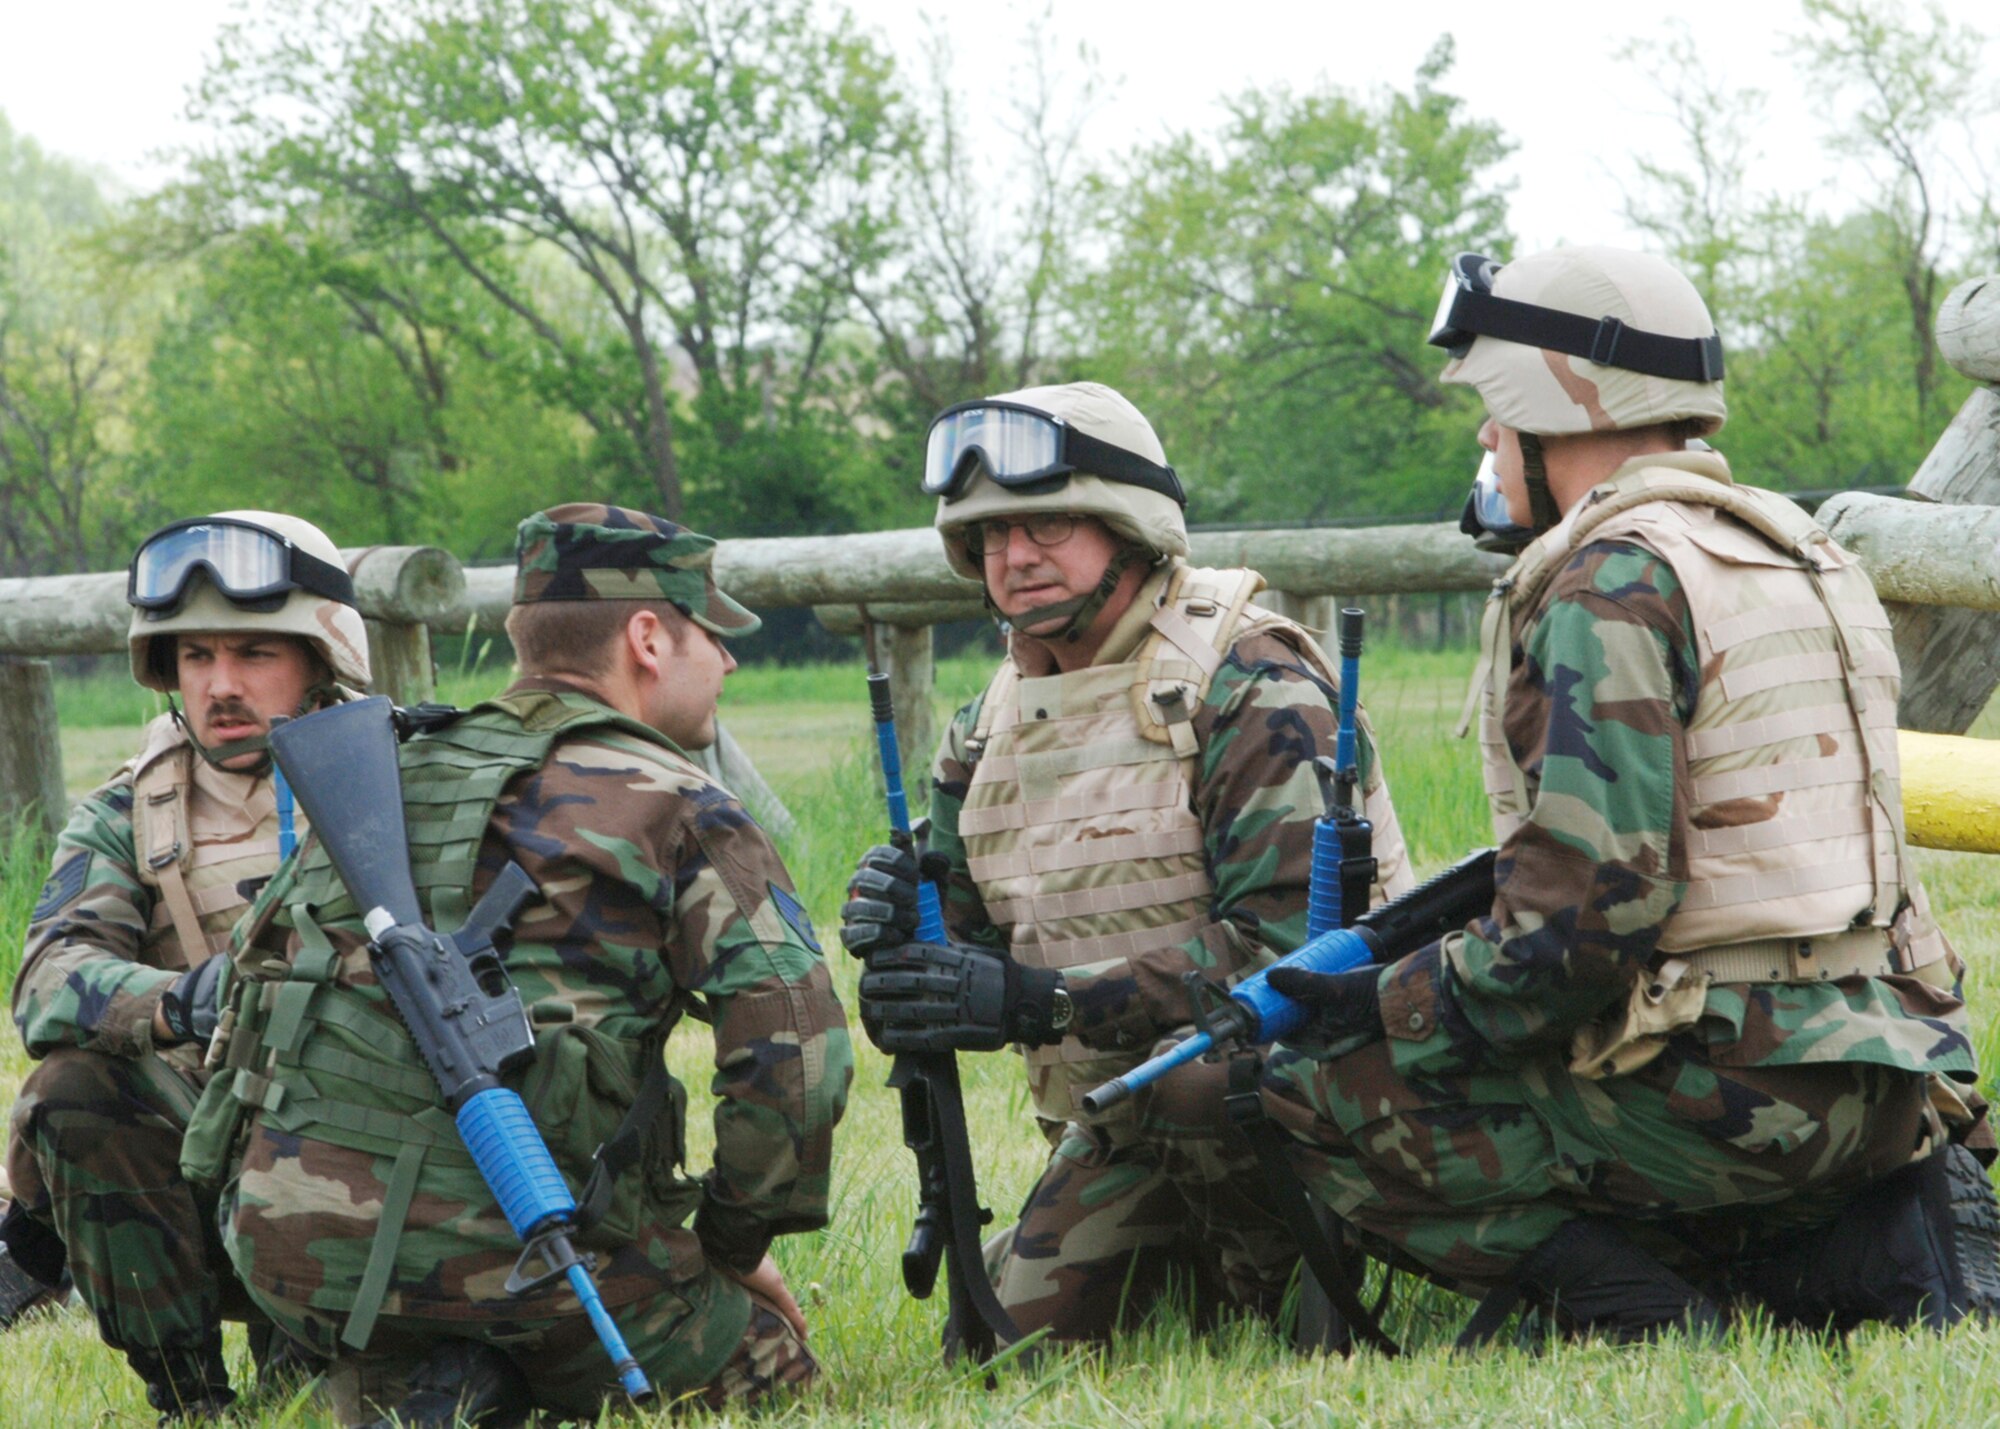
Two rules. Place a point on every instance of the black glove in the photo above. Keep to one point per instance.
(881, 908)
(938, 997)
(191, 1005)
(1345, 1009)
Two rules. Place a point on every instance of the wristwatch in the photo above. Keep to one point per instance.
(1061, 1011)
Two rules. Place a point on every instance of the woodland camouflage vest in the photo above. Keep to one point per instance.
(319, 1053)
(1078, 822)
(1794, 817)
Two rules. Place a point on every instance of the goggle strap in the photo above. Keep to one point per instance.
(1607, 341)
(1091, 457)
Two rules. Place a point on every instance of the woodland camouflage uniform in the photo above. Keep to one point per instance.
(1709, 997)
(356, 1217)
(1059, 855)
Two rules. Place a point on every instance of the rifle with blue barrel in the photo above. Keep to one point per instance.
(451, 992)
(1256, 1014)
(949, 1216)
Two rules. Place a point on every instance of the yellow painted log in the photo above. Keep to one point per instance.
(1951, 791)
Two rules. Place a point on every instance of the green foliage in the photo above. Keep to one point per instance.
(1269, 289)
(702, 172)
(67, 354)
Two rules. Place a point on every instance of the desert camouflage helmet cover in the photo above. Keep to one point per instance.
(332, 629)
(1549, 393)
(589, 551)
(1149, 518)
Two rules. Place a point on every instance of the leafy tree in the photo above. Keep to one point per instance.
(1898, 92)
(69, 325)
(703, 171)
(1269, 290)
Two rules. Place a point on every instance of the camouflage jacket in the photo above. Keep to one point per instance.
(659, 896)
(1262, 722)
(99, 953)
(1585, 883)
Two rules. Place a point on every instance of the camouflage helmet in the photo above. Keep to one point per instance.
(1148, 518)
(589, 551)
(1630, 301)
(332, 627)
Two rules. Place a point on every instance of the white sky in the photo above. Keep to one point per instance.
(104, 81)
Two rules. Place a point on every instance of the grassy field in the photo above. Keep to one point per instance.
(807, 731)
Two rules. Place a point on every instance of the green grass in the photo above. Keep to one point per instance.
(807, 730)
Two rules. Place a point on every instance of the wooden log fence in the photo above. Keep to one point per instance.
(1935, 560)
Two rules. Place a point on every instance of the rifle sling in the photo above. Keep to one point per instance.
(627, 1144)
(965, 1261)
(1323, 1259)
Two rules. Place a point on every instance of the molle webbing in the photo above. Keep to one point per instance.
(338, 1066)
(1792, 828)
(198, 873)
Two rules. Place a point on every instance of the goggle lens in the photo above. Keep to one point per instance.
(1014, 446)
(242, 560)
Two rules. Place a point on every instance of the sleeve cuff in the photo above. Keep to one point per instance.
(732, 1239)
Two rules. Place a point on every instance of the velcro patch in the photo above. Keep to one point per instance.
(794, 913)
(63, 886)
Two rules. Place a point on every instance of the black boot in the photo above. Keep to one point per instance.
(462, 1381)
(21, 1293)
(186, 1386)
(1918, 1247)
(283, 1364)
(1591, 1280)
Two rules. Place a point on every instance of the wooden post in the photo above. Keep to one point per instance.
(399, 659)
(31, 780)
(1951, 658)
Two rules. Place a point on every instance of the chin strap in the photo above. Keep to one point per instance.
(1542, 513)
(218, 756)
(1078, 611)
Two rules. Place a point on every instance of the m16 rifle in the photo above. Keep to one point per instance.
(949, 1216)
(452, 993)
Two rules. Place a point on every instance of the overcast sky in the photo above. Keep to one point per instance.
(105, 80)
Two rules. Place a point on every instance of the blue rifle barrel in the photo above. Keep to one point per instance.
(516, 1163)
(930, 912)
(1261, 1013)
(1323, 910)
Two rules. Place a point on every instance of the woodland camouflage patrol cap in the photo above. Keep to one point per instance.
(589, 551)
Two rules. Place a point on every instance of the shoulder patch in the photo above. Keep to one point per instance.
(794, 913)
(63, 886)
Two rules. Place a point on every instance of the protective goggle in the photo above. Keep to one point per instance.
(1024, 449)
(246, 563)
(1469, 310)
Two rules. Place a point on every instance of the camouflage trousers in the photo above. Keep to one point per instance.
(94, 1150)
(1468, 1173)
(1171, 1199)
(676, 1336)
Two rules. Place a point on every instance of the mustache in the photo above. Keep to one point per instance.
(231, 710)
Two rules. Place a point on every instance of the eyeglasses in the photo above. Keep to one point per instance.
(1469, 310)
(987, 538)
(1024, 449)
(246, 563)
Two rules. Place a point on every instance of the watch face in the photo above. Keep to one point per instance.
(1061, 1011)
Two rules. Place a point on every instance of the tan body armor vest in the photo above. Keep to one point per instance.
(199, 834)
(1079, 825)
(1794, 838)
